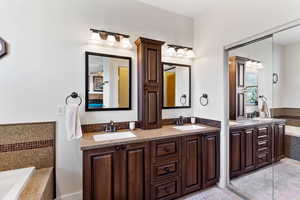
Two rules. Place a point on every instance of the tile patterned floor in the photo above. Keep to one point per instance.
(278, 182)
(214, 193)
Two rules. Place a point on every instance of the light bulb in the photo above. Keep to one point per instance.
(111, 40)
(190, 54)
(259, 66)
(171, 52)
(249, 64)
(95, 38)
(180, 52)
(126, 43)
(164, 50)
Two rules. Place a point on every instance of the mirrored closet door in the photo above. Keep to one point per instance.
(251, 150)
(286, 105)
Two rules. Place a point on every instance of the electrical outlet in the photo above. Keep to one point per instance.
(61, 110)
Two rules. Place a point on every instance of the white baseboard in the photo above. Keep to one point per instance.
(72, 196)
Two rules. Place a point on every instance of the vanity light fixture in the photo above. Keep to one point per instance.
(253, 64)
(110, 39)
(180, 51)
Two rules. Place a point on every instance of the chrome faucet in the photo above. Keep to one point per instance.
(111, 127)
(180, 121)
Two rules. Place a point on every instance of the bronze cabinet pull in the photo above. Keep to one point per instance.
(262, 142)
(167, 169)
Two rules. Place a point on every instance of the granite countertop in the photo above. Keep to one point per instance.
(87, 142)
(36, 188)
(256, 121)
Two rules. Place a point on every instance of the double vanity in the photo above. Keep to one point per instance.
(163, 163)
(160, 159)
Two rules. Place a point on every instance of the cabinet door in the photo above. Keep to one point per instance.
(135, 174)
(237, 152)
(279, 141)
(211, 159)
(150, 82)
(99, 174)
(241, 74)
(191, 164)
(249, 150)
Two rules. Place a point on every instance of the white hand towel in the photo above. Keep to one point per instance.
(73, 126)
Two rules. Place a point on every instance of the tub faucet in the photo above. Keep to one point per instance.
(111, 127)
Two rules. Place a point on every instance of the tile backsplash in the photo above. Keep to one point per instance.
(26, 145)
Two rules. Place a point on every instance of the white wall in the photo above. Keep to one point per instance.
(229, 22)
(289, 72)
(47, 40)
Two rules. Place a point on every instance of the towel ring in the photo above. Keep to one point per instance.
(74, 95)
(183, 99)
(204, 96)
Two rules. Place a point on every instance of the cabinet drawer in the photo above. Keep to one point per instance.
(262, 132)
(262, 144)
(262, 150)
(169, 189)
(261, 158)
(164, 170)
(164, 149)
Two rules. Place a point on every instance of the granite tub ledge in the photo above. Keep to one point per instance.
(39, 186)
(87, 142)
(255, 122)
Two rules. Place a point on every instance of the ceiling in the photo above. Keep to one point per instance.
(287, 37)
(189, 8)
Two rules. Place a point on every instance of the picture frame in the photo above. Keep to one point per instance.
(98, 83)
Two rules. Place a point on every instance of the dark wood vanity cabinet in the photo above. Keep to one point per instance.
(210, 153)
(255, 147)
(158, 170)
(236, 87)
(279, 132)
(116, 173)
(192, 164)
(149, 82)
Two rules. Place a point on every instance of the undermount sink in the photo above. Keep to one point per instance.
(113, 136)
(188, 127)
(263, 119)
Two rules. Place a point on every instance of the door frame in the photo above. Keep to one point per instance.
(225, 126)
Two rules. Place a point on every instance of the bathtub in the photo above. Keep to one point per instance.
(12, 182)
(292, 130)
(292, 142)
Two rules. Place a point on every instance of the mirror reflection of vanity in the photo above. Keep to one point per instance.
(176, 86)
(244, 87)
(108, 82)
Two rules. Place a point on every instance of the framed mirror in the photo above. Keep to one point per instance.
(108, 82)
(176, 86)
